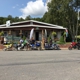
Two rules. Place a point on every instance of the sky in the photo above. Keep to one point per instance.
(23, 8)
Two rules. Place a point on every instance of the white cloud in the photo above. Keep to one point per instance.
(36, 8)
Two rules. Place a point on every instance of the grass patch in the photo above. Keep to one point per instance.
(58, 42)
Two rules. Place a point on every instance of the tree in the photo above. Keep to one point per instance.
(28, 18)
(16, 19)
(37, 19)
(1, 20)
(62, 13)
(10, 18)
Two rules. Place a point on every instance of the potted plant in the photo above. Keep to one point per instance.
(64, 34)
(54, 34)
(1, 37)
(1, 33)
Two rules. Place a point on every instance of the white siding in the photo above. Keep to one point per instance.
(58, 35)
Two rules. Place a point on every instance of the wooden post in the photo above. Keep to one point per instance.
(9, 32)
(42, 39)
(20, 33)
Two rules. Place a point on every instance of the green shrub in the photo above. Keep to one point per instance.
(64, 34)
(1, 33)
(61, 39)
(49, 38)
(58, 42)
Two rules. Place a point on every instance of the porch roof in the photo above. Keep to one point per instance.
(39, 24)
(26, 26)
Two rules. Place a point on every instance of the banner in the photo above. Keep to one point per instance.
(31, 33)
(8, 23)
(45, 33)
(66, 32)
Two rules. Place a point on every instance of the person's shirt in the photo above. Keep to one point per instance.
(5, 39)
(26, 41)
(33, 42)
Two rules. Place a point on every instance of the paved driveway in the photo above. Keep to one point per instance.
(40, 65)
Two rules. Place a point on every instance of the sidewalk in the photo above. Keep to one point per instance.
(64, 48)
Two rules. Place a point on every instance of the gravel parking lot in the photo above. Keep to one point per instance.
(40, 65)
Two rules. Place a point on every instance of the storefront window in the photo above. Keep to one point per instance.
(5, 33)
(17, 34)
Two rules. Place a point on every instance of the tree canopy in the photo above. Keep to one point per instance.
(64, 13)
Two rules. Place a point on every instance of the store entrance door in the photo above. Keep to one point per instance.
(37, 36)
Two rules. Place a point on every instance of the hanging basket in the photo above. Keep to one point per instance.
(54, 33)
